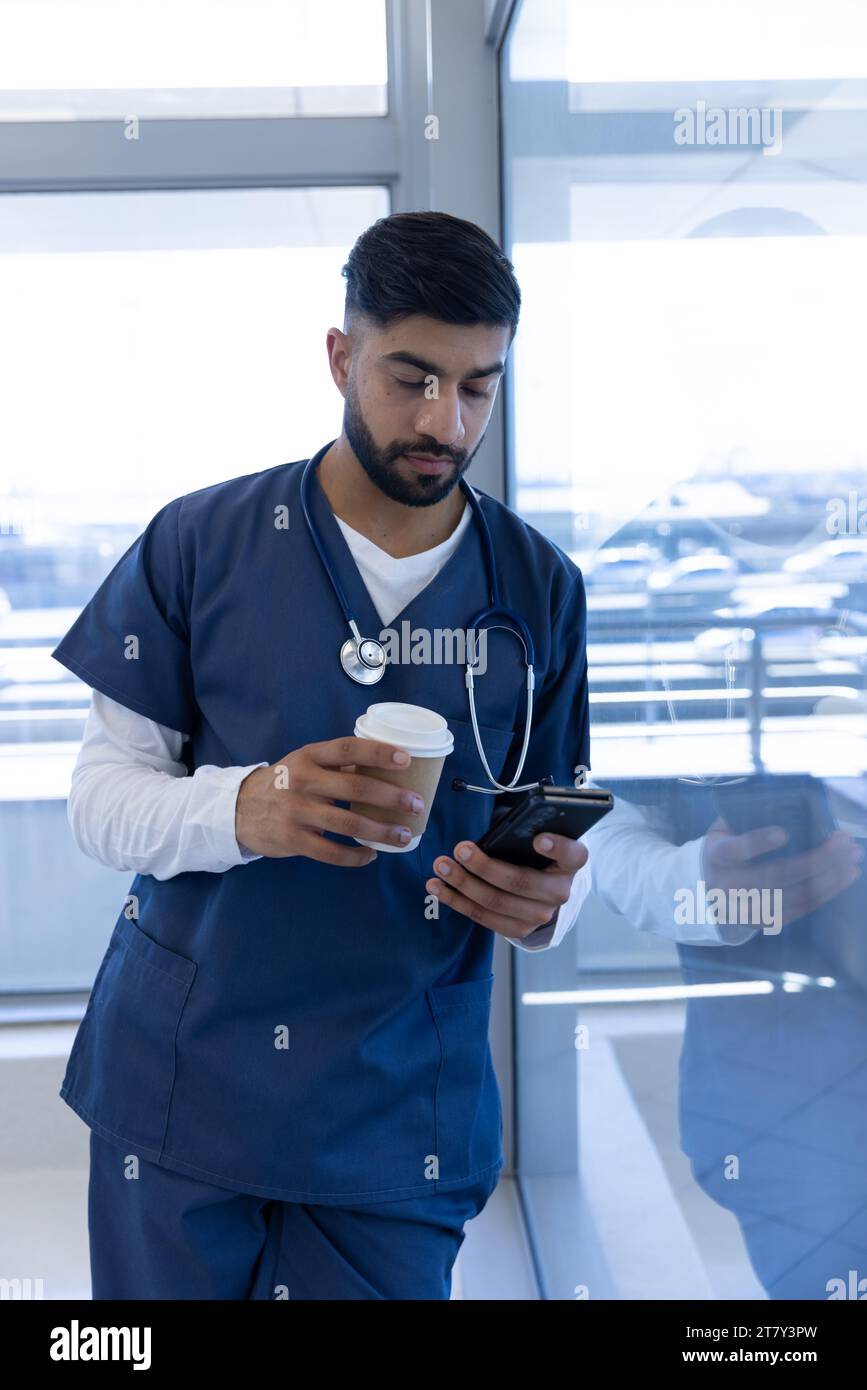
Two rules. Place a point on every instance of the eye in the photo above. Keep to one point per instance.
(417, 386)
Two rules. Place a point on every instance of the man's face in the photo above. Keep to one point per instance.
(418, 398)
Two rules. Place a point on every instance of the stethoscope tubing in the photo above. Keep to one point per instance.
(495, 609)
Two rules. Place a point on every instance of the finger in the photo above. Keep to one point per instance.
(323, 815)
(365, 752)
(468, 907)
(553, 893)
(368, 791)
(813, 893)
(329, 852)
(568, 854)
(834, 855)
(540, 885)
(740, 849)
(493, 899)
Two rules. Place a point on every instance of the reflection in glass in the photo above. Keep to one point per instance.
(686, 425)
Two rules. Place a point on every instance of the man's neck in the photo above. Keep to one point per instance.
(395, 527)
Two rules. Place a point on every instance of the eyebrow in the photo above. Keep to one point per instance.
(431, 369)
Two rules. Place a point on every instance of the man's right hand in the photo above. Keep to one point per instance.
(284, 809)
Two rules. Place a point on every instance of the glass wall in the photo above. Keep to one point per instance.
(686, 207)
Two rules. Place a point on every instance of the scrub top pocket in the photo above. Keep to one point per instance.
(468, 1111)
(462, 814)
(465, 762)
(121, 1068)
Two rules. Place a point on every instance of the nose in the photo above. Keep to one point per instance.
(441, 420)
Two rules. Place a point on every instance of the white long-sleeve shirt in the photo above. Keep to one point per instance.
(133, 805)
(637, 871)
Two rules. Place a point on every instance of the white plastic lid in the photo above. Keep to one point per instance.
(422, 732)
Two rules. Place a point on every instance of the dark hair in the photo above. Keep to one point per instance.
(434, 264)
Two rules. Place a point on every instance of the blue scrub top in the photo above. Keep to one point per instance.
(385, 1088)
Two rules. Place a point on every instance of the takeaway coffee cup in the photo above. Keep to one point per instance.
(426, 737)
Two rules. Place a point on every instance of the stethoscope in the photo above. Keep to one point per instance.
(364, 659)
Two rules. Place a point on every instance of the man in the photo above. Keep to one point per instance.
(284, 1062)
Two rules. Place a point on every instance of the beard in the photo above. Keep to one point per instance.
(380, 465)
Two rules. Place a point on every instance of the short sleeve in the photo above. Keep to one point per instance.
(132, 641)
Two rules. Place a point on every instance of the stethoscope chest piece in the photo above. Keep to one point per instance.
(364, 661)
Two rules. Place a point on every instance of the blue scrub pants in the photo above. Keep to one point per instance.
(163, 1235)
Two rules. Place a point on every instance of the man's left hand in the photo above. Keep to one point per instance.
(507, 898)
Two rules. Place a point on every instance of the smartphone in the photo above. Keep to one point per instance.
(562, 810)
(797, 802)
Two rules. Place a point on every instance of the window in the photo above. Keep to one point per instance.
(154, 342)
(97, 60)
(174, 219)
